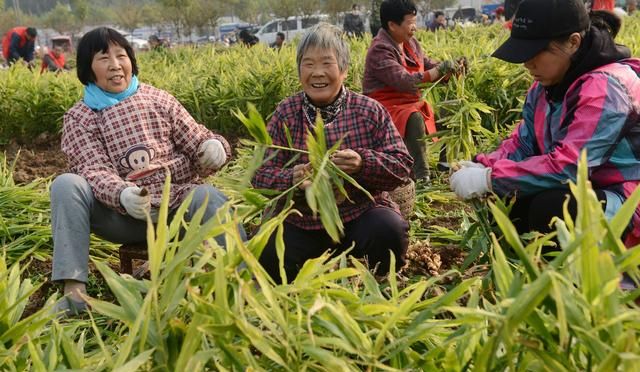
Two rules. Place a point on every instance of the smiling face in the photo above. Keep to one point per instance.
(320, 76)
(112, 69)
(551, 64)
(403, 32)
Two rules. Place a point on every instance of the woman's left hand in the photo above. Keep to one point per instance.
(347, 160)
(211, 154)
(471, 182)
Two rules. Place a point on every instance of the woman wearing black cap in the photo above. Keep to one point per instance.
(586, 96)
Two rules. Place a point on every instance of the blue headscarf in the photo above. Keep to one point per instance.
(98, 99)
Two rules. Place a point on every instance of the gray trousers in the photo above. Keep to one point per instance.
(75, 213)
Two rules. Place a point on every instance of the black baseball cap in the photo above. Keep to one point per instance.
(537, 23)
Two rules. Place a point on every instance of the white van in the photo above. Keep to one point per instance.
(291, 27)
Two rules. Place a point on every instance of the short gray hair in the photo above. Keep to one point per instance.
(325, 36)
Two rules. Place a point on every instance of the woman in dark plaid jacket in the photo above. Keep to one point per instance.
(372, 152)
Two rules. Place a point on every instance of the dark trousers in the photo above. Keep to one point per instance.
(417, 146)
(533, 213)
(375, 233)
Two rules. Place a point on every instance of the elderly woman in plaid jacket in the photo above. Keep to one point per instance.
(372, 152)
(120, 140)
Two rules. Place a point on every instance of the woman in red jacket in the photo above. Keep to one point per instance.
(395, 68)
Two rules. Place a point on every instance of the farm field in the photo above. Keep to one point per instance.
(473, 296)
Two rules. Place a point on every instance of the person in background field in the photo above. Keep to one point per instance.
(120, 140)
(279, 41)
(20, 42)
(373, 154)
(508, 24)
(54, 61)
(374, 18)
(394, 68)
(509, 12)
(353, 25)
(438, 22)
(226, 41)
(586, 96)
(500, 16)
(247, 38)
(485, 20)
(603, 5)
(155, 43)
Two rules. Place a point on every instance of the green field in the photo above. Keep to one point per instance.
(502, 306)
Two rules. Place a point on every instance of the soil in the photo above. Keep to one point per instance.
(40, 273)
(43, 159)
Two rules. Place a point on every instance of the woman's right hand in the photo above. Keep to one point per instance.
(452, 67)
(136, 202)
(300, 172)
(471, 182)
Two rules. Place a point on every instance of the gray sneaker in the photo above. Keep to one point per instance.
(66, 307)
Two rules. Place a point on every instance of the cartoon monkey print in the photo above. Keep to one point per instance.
(138, 158)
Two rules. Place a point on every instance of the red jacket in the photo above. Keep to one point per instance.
(59, 62)
(16, 45)
(603, 5)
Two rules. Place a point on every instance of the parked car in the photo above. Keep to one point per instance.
(228, 29)
(461, 15)
(137, 43)
(206, 40)
(291, 27)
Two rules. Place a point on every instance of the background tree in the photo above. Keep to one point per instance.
(100, 15)
(284, 8)
(152, 14)
(35, 7)
(8, 20)
(247, 10)
(309, 7)
(334, 7)
(60, 18)
(200, 15)
(173, 11)
(129, 14)
(80, 10)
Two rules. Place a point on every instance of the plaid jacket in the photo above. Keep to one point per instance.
(149, 130)
(369, 131)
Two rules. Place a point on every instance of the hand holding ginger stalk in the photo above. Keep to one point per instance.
(348, 161)
(301, 173)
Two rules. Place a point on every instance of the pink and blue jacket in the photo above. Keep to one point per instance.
(600, 113)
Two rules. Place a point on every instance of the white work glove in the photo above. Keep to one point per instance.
(134, 203)
(211, 154)
(470, 164)
(471, 182)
